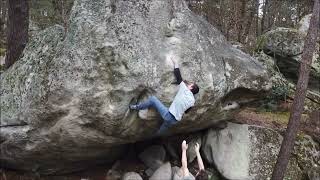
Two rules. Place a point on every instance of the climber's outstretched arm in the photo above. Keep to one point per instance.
(199, 159)
(176, 72)
(184, 162)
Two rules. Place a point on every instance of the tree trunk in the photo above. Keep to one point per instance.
(257, 19)
(241, 20)
(297, 108)
(3, 9)
(3, 20)
(221, 17)
(273, 14)
(17, 37)
(253, 10)
(264, 15)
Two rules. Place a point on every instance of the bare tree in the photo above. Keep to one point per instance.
(241, 21)
(17, 24)
(3, 20)
(297, 108)
(254, 10)
(3, 10)
(264, 15)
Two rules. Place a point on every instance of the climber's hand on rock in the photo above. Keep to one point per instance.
(174, 62)
(197, 147)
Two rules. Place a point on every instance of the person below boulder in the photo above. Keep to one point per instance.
(183, 173)
(182, 102)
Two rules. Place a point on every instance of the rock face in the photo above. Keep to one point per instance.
(64, 104)
(250, 152)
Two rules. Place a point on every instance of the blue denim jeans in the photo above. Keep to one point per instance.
(168, 118)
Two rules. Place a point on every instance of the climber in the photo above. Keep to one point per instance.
(183, 173)
(182, 102)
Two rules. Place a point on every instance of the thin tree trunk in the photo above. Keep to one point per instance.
(297, 109)
(17, 37)
(221, 17)
(273, 11)
(298, 12)
(242, 19)
(3, 17)
(257, 19)
(264, 15)
(253, 10)
(3, 10)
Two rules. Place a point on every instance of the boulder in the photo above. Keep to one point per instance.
(314, 173)
(281, 56)
(246, 152)
(191, 154)
(307, 152)
(113, 174)
(163, 172)
(282, 86)
(286, 45)
(131, 176)
(64, 103)
(228, 149)
(153, 157)
(265, 145)
(303, 24)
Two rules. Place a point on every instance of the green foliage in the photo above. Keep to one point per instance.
(279, 92)
(2, 51)
(261, 41)
(2, 68)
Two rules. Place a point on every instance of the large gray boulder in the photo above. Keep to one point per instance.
(229, 150)
(64, 104)
(249, 152)
(307, 152)
(286, 45)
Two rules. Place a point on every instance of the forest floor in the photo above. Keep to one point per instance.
(253, 116)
